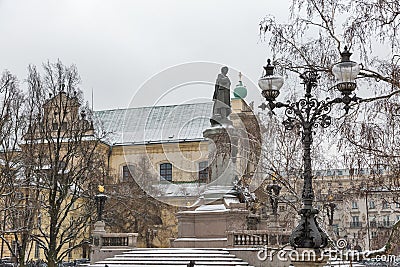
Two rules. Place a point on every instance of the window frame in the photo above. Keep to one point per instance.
(203, 171)
(165, 171)
(371, 204)
(127, 169)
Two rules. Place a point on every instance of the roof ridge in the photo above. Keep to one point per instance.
(174, 105)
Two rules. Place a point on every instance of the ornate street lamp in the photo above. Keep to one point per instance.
(100, 201)
(309, 112)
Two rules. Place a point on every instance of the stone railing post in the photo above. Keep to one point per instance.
(132, 240)
(230, 239)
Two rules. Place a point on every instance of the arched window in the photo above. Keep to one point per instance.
(166, 171)
(127, 173)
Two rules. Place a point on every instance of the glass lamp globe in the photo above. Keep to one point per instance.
(346, 73)
(270, 84)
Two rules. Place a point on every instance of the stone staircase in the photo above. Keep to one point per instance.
(173, 257)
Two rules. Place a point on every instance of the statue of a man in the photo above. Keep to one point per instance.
(221, 98)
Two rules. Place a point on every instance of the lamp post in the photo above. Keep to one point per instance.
(100, 201)
(307, 113)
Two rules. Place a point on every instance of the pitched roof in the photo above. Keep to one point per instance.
(156, 124)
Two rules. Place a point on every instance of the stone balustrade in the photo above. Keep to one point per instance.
(107, 245)
(119, 240)
(256, 238)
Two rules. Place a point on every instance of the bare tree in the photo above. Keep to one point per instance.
(63, 158)
(17, 221)
(130, 208)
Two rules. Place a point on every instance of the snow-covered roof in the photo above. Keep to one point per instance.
(179, 190)
(156, 124)
(215, 207)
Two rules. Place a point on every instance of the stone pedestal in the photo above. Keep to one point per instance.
(218, 210)
(97, 234)
(222, 154)
(99, 228)
(207, 225)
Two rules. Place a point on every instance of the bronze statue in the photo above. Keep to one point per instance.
(222, 99)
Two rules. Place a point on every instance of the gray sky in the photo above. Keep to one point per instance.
(118, 46)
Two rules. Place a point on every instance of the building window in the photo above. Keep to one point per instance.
(37, 250)
(371, 204)
(355, 222)
(385, 204)
(166, 171)
(354, 205)
(374, 235)
(203, 171)
(55, 126)
(339, 172)
(397, 205)
(336, 229)
(127, 171)
(386, 221)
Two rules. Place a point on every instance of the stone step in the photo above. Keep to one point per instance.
(166, 265)
(176, 251)
(200, 256)
(183, 261)
(173, 258)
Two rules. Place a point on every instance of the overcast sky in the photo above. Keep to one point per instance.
(120, 47)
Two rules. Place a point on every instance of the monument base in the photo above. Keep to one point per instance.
(206, 226)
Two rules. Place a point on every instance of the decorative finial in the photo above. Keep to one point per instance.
(100, 188)
(346, 54)
(269, 69)
(240, 76)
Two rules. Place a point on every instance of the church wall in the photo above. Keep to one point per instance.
(184, 158)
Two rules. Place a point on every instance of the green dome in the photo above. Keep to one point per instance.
(240, 91)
